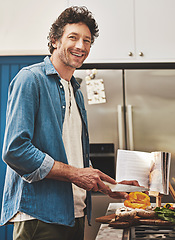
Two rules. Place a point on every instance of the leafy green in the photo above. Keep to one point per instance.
(165, 214)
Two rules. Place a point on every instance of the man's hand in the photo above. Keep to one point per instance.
(123, 195)
(92, 179)
(87, 178)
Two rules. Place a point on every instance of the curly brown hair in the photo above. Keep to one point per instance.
(71, 15)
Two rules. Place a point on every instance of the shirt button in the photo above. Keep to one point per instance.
(61, 86)
(63, 107)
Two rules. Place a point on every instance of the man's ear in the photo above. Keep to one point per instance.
(54, 43)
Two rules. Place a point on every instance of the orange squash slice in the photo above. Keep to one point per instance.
(137, 200)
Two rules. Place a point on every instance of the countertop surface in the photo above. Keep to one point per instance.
(105, 232)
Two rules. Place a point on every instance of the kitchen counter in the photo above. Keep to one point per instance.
(105, 232)
(148, 231)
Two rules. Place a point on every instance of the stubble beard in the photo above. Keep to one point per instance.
(65, 57)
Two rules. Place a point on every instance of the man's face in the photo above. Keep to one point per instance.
(74, 46)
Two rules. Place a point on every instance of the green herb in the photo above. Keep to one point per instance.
(165, 214)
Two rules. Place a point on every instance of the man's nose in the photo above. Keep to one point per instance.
(80, 44)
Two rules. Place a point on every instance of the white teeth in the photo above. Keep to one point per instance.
(78, 55)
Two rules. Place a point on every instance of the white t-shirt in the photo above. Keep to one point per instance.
(72, 133)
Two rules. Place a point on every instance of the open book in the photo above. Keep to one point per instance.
(151, 170)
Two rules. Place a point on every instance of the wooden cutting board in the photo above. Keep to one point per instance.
(135, 222)
(105, 219)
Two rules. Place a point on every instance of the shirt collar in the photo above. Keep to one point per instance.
(50, 70)
(74, 83)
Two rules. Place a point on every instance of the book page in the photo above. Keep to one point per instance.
(134, 165)
(156, 174)
(159, 173)
(168, 162)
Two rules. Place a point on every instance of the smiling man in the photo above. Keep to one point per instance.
(74, 46)
(46, 146)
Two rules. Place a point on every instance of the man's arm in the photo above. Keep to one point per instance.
(18, 150)
(86, 178)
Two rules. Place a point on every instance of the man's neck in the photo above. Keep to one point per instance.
(64, 71)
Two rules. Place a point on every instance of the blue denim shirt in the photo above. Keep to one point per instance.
(33, 140)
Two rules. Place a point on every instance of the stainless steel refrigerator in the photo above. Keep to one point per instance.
(139, 113)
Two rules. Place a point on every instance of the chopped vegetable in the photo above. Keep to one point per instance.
(137, 200)
(168, 205)
(165, 214)
(148, 213)
(124, 213)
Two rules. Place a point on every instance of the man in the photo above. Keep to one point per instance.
(46, 147)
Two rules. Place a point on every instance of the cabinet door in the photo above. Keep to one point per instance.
(115, 21)
(31, 23)
(155, 34)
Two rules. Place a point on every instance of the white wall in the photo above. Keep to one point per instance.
(25, 24)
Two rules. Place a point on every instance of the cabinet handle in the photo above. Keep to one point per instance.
(141, 54)
(130, 54)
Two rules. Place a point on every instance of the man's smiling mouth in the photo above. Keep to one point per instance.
(77, 54)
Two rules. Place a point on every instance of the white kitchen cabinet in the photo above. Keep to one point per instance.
(115, 21)
(24, 26)
(155, 30)
(132, 30)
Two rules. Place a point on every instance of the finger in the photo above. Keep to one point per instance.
(106, 178)
(135, 183)
(131, 182)
(101, 191)
(118, 195)
(102, 187)
(95, 188)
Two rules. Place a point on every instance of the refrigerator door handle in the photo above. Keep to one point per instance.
(130, 128)
(120, 127)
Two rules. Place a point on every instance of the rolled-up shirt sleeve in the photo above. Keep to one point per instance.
(41, 172)
(19, 149)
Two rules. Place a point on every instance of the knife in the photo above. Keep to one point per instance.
(125, 188)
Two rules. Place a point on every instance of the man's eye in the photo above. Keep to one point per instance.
(72, 37)
(87, 41)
